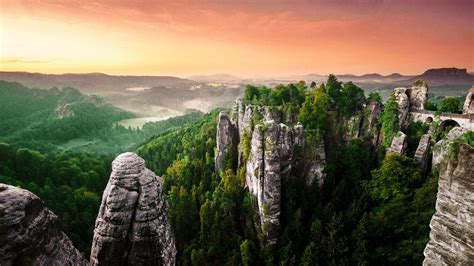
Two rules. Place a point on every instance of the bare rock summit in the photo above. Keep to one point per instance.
(132, 226)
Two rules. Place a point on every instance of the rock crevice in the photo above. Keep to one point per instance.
(30, 233)
(132, 227)
(452, 231)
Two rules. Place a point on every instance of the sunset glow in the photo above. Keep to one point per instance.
(237, 37)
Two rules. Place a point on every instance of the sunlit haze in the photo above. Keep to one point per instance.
(236, 37)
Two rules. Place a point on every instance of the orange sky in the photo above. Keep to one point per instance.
(240, 37)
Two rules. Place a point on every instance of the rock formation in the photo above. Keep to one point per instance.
(403, 102)
(452, 231)
(227, 137)
(271, 147)
(423, 153)
(399, 144)
(468, 107)
(64, 111)
(410, 99)
(132, 227)
(30, 233)
(442, 147)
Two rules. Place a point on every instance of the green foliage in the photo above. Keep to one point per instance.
(374, 97)
(290, 94)
(450, 105)
(313, 113)
(469, 137)
(414, 132)
(390, 121)
(69, 184)
(28, 120)
(393, 178)
(401, 207)
(430, 106)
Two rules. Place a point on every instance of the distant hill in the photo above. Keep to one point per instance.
(92, 82)
(373, 77)
(215, 77)
(442, 76)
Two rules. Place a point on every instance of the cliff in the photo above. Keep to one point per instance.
(468, 107)
(452, 231)
(30, 233)
(269, 144)
(132, 225)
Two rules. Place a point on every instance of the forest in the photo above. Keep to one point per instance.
(373, 209)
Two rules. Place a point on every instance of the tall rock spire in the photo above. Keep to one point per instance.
(132, 227)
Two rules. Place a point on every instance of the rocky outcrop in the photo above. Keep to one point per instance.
(403, 102)
(423, 153)
(30, 233)
(443, 147)
(418, 95)
(410, 99)
(227, 139)
(399, 144)
(468, 107)
(132, 227)
(271, 147)
(64, 111)
(452, 231)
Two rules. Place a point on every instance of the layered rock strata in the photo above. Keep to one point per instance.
(423, 153)
(410, 99)
(452, 226)
(132, 227)
(227, 139)
(468, 107)
(399, 144)
(271, 147)
(30, 233)
(443, 147)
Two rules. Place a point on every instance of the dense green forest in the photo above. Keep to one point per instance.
(34, 152)
(29, 118)
(373, 209)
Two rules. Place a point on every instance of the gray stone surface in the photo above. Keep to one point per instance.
(64, 111)
(442, 147)
(423, 153)
(278, 151)
(409, 99)
(452, 226)
(403, 101)
(418, 96)
(468, 107)
(399, 144)
(132, 227)
(30, 234)
(227, 141)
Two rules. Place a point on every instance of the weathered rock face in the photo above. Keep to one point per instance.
(452, 231)
(442, 147)
(64, 111)
(418, 96)
(410, 99)
(468, 107)
(271, 151)
(132, 227)
(30, 234)
(399, 144)
(401, 97)
(227, 139)
(423, 153)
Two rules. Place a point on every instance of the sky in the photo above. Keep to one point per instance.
(239, 37)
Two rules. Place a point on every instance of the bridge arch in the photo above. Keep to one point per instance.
(429, 119)
(445, 127)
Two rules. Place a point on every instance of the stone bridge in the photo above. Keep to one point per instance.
(462, 120)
